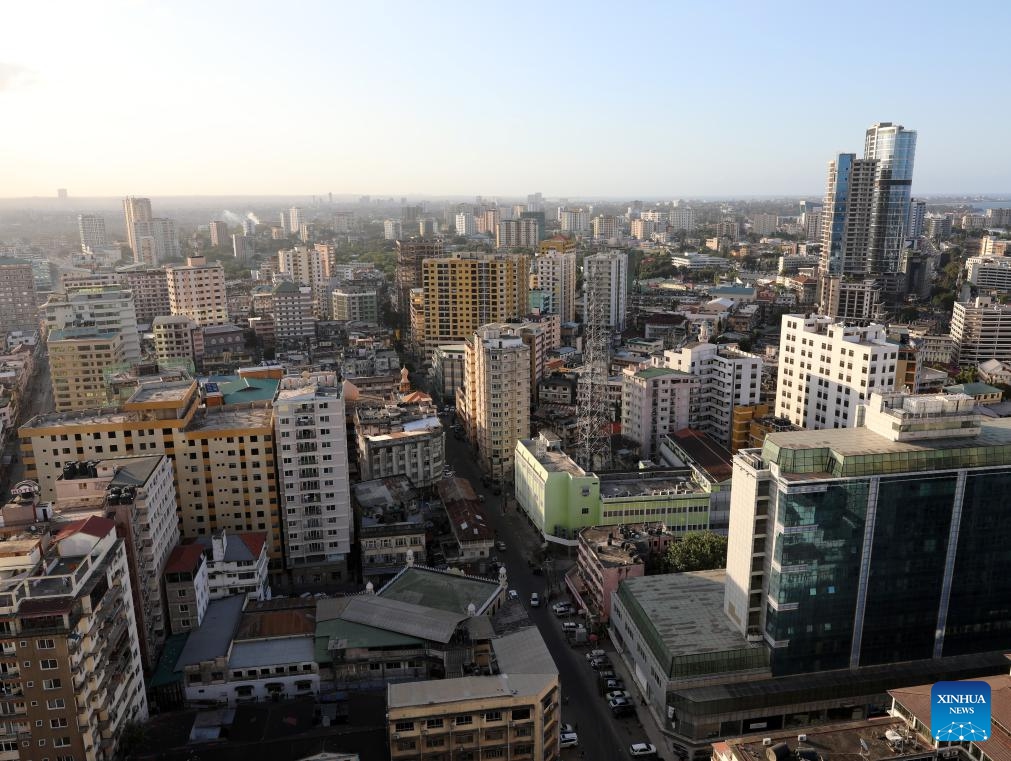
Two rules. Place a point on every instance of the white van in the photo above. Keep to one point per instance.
(535, 601)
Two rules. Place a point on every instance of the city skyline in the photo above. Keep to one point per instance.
(757, 107)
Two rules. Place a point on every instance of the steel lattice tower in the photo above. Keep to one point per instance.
(593, 419)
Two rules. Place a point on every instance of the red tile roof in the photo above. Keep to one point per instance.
(254, 540)
(185, 557)
(93, 526)
(707, 452)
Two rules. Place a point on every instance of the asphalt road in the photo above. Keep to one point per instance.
(601, 736)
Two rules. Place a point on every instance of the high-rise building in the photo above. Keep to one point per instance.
(296, 218)
(291, 305)
(309, 267)
(219, 233)
(516, 233)
(542, 336)
(643, 229)
(92, 230)
(242, 247)
(465, 223)
(607, 273)
(79, 359)
(554, 270)
(355, 302)
(136, 210)
(898, 518)
(938, 226)
(392, 229)
(176, 340)
(574, 220)
(410, 254)
(428, 227)
(654, 404)
(18, 307)
(764, 224)
(495, 404)
(74, 677)
(866, 212)
(100, 307)
(197, 290)
(249, 227)
(211, 447)
(727, 377)
(917, 218)
(139, 495)
(467, 290)
(827, 370)
(682, 219)
(317, 525)
(981, 330)
(150, 291)
(156, 240)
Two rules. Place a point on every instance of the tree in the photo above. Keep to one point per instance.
(696, 551)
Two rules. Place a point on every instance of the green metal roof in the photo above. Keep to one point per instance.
(356, 635)
(165, 673)
(972, 389)
(238, 390)
(441, 590)
(657, 372)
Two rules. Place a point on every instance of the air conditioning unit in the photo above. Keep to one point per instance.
(767, 741)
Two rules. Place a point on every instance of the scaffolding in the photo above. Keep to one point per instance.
(593, 419)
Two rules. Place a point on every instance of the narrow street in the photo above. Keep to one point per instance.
(601, 736)
(39, 399)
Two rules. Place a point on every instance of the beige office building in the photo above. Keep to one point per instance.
(197, 290)
(18, 307)
(79, 359)
(494, 405)
(555, 271)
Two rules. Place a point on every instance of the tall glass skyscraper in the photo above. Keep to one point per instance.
(893, 147)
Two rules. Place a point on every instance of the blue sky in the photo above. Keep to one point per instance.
(671, 99)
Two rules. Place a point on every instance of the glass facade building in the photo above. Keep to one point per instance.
(885, 548)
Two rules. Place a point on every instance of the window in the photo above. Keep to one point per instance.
(464, 720)
(433, 724)
(521, 714)
(62, 742)
(48, 665)
(56, 703)
(45, 644)
(51, 684)
(57, 723)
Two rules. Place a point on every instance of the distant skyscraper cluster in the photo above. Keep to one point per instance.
(152, 239)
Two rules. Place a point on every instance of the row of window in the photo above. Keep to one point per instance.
(518, 714)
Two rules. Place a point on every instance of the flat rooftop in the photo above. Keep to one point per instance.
(467, 688)
(554, 461)
(617, 487)
(863, 739)
(222, 418)
(148, 393)
(706, 452)
(443, 590)
(686, 612)
(610, 555)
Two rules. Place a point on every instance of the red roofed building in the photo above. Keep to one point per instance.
(473, 533)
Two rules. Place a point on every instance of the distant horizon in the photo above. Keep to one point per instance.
(161, 99)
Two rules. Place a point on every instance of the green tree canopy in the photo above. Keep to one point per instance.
(696, 551)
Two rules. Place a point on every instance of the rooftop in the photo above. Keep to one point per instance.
(863, 739)
(646, 484)
(442, 590)
(706, 453)
(237, 389)
(172, 391)
(685, 611)
(403, 617)
(553, 460)
(225, 418)
(132, 471)
(184, 558)
(437, 691)
(523, 652)
(212, 639)
(610, 546)
(339, 634)
(972, 389)
(659, 372)
(278, 618)
(82, 334)
(272, 651)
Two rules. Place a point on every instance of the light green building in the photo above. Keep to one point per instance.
(560, 498)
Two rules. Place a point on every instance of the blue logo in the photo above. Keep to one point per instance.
(960, 711)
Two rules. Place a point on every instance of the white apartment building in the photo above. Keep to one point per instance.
(574, 220)
(655, 402)
(606, 226)
(92, 230)
(828, 369)
(494, 405)
(517, 233)
(555, 271)
(989, 272)
(682, 219)
(643, 229)
(197, 290)
(465, 223)
(311, 434)
(293, 312)
(605, 277)
(296, 218)
(392, 229)
(157, 240)
(693, 260)
(991, 246)
(139, 494)
(236, 564)
(104, 308)
(981, 330)
(307, 266)
(726, 378)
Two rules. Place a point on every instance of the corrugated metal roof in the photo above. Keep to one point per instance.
(403, 617)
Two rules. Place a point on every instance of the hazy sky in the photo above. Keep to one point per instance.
(590, 98)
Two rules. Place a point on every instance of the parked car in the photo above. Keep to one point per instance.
(500, 546)
(618, 694)
(598, 664)
(595, 654)
(641, 749)
(567, 729)
(569, 626)
(535, 601)
(614, 684)
(562, 609)
(513, 594)
(606, 673)
(568, 740)
(619, 703)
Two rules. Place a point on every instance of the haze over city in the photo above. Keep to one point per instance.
(584, 99)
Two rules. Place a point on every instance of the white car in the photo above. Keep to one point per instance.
(569, 626)
(567, 729)
(535, 601)
(562, 609)
(641, 749)
(513, 594)
(595, 654)
(618, 694)
(568, 740)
